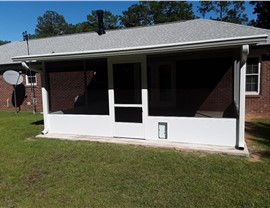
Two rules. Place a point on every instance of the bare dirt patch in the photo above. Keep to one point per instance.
(35, 175)
(256, 152)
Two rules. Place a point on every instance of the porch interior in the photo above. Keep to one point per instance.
(192, 85)
(197, 84)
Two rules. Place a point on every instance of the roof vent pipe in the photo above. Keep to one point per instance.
(101, 30)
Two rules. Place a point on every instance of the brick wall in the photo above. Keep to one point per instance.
(78, 87)
(220, 97)
(64, 88)
(23, 94)
(201, 85)
(259, 105)
(209, 84)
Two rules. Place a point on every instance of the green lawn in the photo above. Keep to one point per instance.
(54, 173)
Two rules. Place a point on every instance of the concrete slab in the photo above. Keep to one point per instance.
(151, 143)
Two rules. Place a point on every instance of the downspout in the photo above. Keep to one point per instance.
(242, 97)
(244, 54)
(45, 104)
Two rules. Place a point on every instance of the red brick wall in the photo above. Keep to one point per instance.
(259, 105)
(64, 87)
(221, 96)
(6, 91)
(209, 84)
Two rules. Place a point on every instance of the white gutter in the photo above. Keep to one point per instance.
(214, 43)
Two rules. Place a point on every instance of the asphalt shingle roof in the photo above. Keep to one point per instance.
(169, 33)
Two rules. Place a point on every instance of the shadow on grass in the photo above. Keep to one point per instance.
(40, 122)
(260, 134)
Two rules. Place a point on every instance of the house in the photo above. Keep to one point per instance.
(182, 81)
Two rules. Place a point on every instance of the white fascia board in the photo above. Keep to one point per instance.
(214, 43)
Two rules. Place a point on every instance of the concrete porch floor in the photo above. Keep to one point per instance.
(152, 143)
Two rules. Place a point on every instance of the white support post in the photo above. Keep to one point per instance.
(236, 84)
(144, 89)
(235, 81)
(111, 93)
(242, 98)
(45, 101)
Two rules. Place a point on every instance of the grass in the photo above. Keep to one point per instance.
(54, 173)
(259, 129)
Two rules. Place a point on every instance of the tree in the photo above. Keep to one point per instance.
(110, 20)
(83, 27)
(52, 24)
(262, 9)
(205, 7)
(236, 13)
(169, 11)
(137, 15)
(2, 42)
(154, 12)
(220, 8)
(228, 11)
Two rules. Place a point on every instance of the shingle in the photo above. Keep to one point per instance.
(169, 33)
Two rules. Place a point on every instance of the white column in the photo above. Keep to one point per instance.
(236, 83)
(111, 93)
(144, 89)
(242, 97)
(45, 101)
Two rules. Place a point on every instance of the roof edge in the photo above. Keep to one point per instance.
(214, 43)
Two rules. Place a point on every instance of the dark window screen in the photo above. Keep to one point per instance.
(126, 114)
(78, 87)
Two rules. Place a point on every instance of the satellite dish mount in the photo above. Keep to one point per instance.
(14, 78)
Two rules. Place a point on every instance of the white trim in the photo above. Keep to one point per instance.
(128, 129)
(144, 91)
(257, 74)
(111, 94)
(128, 105)
(27, 80)
(203, 44)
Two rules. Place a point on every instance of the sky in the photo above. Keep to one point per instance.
(19, 16)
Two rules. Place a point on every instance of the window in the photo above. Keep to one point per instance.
(253, 76)
(31, 78)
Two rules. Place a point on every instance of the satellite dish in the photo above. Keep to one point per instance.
(12, 77)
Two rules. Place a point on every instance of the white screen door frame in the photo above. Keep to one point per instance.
(125, 113)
